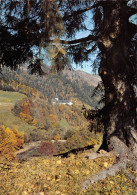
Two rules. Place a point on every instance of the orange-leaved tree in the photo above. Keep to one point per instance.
(10, 141)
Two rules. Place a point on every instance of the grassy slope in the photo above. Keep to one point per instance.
(53, 175)
(7, 118)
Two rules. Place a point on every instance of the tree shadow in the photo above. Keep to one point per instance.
(74, 151)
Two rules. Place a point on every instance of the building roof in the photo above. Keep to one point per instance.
(61, 101)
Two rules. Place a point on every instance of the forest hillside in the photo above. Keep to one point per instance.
(67, 85)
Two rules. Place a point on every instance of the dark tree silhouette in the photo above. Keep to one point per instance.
(30, 26)
(25, 30)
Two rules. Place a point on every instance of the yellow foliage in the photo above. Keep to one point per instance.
(33, 91)
(53, 120)
(52, 117)
(10, 140)
(63, 176)
(56, 137)
(54, 124)
(28, 118)
(34, 122)
(53, 175)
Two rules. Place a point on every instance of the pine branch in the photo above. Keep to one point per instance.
(81, 40)
(79, 12)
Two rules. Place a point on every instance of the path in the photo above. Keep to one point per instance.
(32, 149)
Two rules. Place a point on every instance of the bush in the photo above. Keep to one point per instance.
(69, 134)
(47, 148)
(78, 139)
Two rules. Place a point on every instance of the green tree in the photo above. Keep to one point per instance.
(53, 25)
(25, 28)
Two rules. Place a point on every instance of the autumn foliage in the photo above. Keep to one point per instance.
(13, 85)
(61, 107)
(47, 148)
(26, 113)
(53, 120)
(10, 141)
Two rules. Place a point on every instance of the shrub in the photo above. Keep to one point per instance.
(68, 134)
(78, 139)
(47, 148)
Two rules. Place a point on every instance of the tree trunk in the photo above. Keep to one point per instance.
(116, 73)
(120, 110)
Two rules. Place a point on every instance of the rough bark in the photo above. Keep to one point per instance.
(120, 114)
(116, 72)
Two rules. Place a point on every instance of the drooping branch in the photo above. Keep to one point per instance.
(81, 40)
(80, 11)
(15, 28)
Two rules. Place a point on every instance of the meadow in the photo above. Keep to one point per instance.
(7, 117)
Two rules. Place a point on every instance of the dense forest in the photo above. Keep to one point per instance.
(70, 85)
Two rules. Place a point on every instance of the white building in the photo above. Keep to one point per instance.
(59, 102)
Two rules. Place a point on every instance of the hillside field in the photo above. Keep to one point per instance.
(7, 117)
